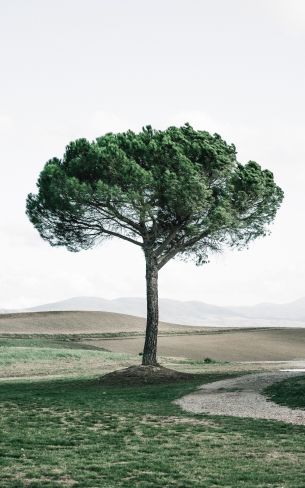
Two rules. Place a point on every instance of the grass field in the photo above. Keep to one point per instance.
(80, 433)
(61, 427)
(49, 357)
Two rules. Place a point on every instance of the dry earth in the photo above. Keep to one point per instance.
(232, 345)
(268, 344)
(77, 323)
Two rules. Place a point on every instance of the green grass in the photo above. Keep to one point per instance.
(37, 341)
(290, 392)
(14, 355)
(81, 433)
(44, 357)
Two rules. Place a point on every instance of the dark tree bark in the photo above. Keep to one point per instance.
(150, 346)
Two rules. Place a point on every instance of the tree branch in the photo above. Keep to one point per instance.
(168, 257)
(88, 225)
(121, 236)
(167, 241)
(114, 212)
(180, 247)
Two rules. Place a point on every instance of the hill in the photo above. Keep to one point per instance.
(191, 312)
(75, 322)
(287, 311)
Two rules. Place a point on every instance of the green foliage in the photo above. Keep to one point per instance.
(177, 192)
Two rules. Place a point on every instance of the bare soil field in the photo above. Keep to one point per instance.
(76, 323)
(125, 334)
(232, 345)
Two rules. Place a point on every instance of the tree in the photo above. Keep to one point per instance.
(174, 193)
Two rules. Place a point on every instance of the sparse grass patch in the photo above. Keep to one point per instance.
(62, 342)
(41, 360)
(201, 362)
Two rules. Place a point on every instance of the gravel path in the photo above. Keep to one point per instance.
(241, 397)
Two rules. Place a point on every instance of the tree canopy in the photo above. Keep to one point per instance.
(174, 193)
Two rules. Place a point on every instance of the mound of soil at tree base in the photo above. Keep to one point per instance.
(144, 375)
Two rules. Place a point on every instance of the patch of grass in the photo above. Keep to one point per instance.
(81, 433)
(290, 392)
(13, 355)
(69, 338)
(49, 342)
(199, 362)
(41, 360)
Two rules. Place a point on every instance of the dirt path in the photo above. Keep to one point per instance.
(241, 397)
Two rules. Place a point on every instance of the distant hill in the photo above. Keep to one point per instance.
(290, 311)
(189, 312)
(76, 323)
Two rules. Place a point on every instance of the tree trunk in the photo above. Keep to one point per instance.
(150, 346)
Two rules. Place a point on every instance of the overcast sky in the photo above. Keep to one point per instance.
(80, 68)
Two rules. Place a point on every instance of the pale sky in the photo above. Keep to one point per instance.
(80, 68)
